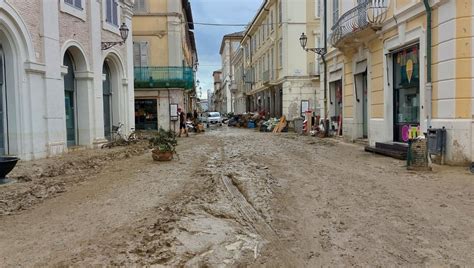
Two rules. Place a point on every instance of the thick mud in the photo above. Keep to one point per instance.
(236, 198)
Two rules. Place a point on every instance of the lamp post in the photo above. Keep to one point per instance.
(123, 33)
(321, 51)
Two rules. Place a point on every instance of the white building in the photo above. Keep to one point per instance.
(230, 44)
(280, 77)
(59, 89)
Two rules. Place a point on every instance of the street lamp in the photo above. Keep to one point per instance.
(123, 33)
(318, 50)
(321, 51)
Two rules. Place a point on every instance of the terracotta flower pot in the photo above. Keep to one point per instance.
(161, 156)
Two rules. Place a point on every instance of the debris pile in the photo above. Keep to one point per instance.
(259, 122)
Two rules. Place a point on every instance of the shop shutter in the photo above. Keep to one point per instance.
(136, 54)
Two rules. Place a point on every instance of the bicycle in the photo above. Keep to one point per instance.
(119, 138)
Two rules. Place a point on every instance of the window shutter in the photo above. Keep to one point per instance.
(144, 54)
(140, 5)
(114, 12)
(136, 54)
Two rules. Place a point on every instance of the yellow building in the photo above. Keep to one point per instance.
(165, 60)
(381, 77)
(280, 78)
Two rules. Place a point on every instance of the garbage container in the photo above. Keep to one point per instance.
(298, 123)
(436, 141)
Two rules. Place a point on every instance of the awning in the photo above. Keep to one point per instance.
(361, 67)
(336, 75)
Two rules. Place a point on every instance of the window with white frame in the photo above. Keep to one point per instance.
(75, 3)
(111, 12)
(75, 8)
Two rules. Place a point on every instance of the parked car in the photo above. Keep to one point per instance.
(212, 118)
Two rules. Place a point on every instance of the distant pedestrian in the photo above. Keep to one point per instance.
(182, 123)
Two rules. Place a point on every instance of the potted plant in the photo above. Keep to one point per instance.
(164, 145)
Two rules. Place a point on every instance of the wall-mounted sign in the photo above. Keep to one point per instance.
(304, 106)
(174, 112)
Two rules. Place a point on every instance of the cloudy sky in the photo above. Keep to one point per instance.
(208, 38)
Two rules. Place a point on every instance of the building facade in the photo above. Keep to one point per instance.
(229, 46)
(391, 68)
(237, 88)
(218, 95)
(59, 89)
(165, 60)
(280, 78)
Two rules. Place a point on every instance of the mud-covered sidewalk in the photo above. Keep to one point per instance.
(236, 197)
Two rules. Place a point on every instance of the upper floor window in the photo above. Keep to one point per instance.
(335, 11)
(271, 20)
(280, 12)
(140, 6)
(111, 12)
(74, 3)
(317, 4)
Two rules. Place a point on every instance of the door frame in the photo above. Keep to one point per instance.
(75, 112)
(3, 100)
(109, 96)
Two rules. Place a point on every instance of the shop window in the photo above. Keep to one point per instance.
(406, 90)
(146, 114)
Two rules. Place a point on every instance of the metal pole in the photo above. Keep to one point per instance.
(326, 121)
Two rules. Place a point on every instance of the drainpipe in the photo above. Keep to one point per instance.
(429, 90)
(326, 121)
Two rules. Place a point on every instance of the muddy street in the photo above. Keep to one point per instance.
(236, 198)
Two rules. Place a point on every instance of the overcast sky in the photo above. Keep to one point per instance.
(208, 38)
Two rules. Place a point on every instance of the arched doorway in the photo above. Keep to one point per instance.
(70, 100)
(3, 105)
(107, 99)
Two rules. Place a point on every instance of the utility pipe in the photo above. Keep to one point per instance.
(428, 91)
(326, 120)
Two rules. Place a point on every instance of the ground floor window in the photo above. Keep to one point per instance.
(406, 92)
(146, 114)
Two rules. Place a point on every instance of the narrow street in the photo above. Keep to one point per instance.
(236, 198)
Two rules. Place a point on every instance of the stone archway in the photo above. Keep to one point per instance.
(76, 97)
(15, 49)
(114, 93)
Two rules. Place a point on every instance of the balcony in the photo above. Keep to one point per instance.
(164, 77)
(364, 19)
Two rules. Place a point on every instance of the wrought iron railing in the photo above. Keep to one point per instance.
(164, 77)
(369, 13)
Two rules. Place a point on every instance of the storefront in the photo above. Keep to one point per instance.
(336, 105)
(406, 92)
(146, 114)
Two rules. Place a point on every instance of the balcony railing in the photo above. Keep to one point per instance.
(164, 77)
(369, 13)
